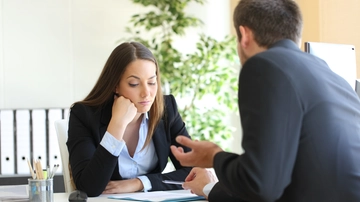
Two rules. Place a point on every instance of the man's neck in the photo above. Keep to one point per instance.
(255, 49)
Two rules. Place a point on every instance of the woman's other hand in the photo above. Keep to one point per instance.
(123, 186)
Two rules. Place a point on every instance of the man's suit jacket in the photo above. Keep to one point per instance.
(301, 132)
(93, 166)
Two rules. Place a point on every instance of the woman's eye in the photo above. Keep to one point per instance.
(152, 83)
(133, 85)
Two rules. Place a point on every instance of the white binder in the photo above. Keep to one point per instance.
(54, 152)
(7, 142)
(23, 141)
(39, 136)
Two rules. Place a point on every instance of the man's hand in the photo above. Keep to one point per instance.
(123, 186)
(197, 179)
(202, 152)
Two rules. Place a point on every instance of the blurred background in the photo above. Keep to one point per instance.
(52, 52)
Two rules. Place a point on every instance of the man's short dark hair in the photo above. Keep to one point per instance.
(270, 20)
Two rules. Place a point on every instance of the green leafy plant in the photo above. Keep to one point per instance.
(204, 82)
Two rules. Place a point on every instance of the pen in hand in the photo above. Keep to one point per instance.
(172, 182)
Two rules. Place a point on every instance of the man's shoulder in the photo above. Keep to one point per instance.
(278, 53)
(284, 58)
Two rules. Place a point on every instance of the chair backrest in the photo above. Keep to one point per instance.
(61, 127)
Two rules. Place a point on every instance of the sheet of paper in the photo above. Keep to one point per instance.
(14, 192)
(157, 196)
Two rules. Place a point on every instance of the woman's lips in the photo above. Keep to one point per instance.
(145, 102)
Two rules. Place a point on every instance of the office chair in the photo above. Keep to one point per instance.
(61, 127)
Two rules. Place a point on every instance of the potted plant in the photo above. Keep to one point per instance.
(205, 81)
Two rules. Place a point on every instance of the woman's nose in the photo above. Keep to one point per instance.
(145, 92)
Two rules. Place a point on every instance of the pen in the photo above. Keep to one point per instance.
(31, 170)
(56, 166)
(45, 174)
(172, 182)
(48, 172)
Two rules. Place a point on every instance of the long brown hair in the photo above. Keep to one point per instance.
(113, 71)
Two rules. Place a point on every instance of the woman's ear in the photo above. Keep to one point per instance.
(116, 91)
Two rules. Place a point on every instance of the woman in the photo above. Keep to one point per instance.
(120, 134)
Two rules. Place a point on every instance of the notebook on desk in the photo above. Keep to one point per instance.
(14, 193)
(165, 196)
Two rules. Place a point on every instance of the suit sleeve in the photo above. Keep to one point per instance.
(92, 166)
(271, 117)
(176, 127)
(219, 194)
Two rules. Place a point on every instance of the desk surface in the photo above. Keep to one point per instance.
(61, 197)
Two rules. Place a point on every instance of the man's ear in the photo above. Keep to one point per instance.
(246, 35)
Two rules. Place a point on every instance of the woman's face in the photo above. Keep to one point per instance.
(139, 84)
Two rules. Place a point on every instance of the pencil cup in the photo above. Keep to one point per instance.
(41, 190)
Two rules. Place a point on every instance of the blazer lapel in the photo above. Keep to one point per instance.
(162, 145)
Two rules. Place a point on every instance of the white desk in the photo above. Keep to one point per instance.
(63, 197)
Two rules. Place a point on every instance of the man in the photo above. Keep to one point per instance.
(301, 121)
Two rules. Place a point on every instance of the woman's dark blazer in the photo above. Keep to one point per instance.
(93, 166)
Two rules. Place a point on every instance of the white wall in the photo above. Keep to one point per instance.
(52, 52)
(2, 99)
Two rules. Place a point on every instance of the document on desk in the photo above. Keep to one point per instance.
(165, 196)
(14, 193)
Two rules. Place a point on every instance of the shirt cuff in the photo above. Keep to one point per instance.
(146, 183)
(111, 144)
(208, 188)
